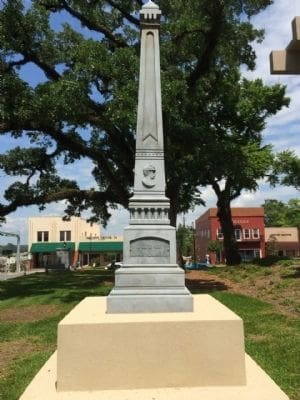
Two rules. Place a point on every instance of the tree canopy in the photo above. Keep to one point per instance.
(185, 241)
(286, 169)
(86, 105)
(278, 213)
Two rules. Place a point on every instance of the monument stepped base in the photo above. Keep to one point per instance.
(259, 387)
(163, 356)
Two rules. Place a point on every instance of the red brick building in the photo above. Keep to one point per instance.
(249, 232)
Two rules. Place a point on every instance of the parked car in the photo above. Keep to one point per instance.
(114, 265)
(197, 265)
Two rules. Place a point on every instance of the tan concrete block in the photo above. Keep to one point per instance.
(99, 351)
(259, 387)
(285, 62)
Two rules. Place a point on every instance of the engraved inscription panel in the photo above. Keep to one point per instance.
(149, 249)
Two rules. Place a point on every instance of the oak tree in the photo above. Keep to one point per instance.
(85, 105)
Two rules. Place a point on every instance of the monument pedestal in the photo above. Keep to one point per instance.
(149, 288)
(149, 281)
(166, 356)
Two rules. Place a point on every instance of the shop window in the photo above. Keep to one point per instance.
(65, 236)
(256, 253)
(237, 234)
(43, 236)
(246, 233)
(255, 233)
(249, 254)
(219, 233)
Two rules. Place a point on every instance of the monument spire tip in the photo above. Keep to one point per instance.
(150, 12)
(150, 4)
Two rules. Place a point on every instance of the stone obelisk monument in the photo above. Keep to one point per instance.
(104, 350)
(150, 280)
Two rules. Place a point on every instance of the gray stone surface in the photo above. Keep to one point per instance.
(143, 303)
(150, 280)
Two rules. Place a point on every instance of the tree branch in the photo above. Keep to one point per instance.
(50, 72)
(216, 188)
(66, 194)
(93, 26)
(128, 16)
(181, 35)
(82, 148)
(12, 64)
(212, 36)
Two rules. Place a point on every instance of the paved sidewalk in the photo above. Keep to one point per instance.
(4, 276)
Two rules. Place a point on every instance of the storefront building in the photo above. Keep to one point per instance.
(53, 241)
(248, 228)
(282, 241)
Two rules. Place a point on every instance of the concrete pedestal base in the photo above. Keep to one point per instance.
(165, 356)
(150, 289)
(100, 351)
(259, 387)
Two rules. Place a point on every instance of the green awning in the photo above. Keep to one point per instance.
(51, 247)
(101, 246)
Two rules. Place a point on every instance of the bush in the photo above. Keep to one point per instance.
(12, 268)
(271, 260)
(285, 263)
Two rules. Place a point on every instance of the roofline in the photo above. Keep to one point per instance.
(212, 212)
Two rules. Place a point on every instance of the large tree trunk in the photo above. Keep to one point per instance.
(173, 212)
(229, 243)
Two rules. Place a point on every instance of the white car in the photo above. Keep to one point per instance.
(114, 265)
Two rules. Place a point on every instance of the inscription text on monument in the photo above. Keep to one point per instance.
(149, 247)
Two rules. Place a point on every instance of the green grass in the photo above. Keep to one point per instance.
(63, 290)
(272, 338)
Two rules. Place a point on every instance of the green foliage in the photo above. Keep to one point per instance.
(286, 169)
(86, 107)
(268, 333)
(7, 252)
(269, 260)
(215, 246)
(185, 240)
(285, 263)
(13, 247)
(278, 213)
(268, 337)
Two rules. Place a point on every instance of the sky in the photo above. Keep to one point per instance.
(282, 132)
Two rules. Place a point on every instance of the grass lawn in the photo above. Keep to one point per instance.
(31, 307)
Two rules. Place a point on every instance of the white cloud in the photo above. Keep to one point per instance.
(276, 22)
(283, 128)
(17, 225)
(119, 220)
(80, 170)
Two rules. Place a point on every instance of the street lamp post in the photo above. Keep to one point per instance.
(194, 242)
(18, 267)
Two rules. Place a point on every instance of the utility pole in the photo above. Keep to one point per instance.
(18, 267)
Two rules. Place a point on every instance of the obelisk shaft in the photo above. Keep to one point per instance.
(150, 280)
(149, 178)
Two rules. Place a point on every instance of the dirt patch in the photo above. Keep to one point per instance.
(258, 338)
(271, 286)
(107, 283)
(29, 314)
(201, 281)
(14, 350)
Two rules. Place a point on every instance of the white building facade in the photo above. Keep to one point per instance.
(76, 240)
